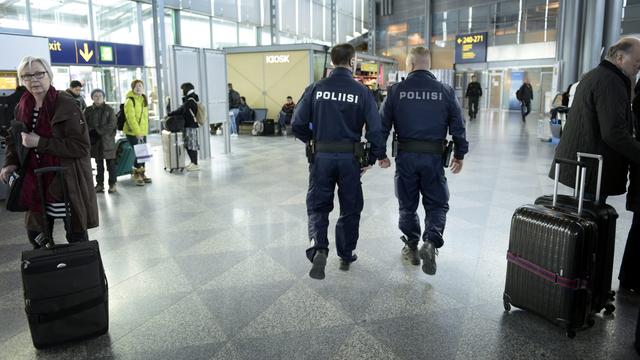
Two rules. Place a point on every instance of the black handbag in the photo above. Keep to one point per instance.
(16, 179)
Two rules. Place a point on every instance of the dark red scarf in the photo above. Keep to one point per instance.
(30, 196)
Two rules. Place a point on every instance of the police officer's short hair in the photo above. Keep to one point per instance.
(420, 51)
(623, 45)
(341, 54)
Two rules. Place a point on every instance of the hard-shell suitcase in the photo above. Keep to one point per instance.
(65, 287)
(173, 150)
(125, 157)
(551, 262)
(637, 343)
(605, 217)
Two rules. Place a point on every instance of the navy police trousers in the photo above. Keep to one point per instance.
(422, 174)
(327, 170)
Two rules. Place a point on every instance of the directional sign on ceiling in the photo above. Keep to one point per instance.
(87, 52)
(471, 48)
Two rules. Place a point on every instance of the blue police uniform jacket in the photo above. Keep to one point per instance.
(335, 109)
(422, 108)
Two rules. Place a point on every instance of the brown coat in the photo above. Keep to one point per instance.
(70, 143)
(102, 121)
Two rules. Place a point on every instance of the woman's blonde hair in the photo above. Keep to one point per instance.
(27, 60)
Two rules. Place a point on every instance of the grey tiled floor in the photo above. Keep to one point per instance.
(211, 265)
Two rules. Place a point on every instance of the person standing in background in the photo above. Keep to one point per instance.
(474, 92)
(101, 119)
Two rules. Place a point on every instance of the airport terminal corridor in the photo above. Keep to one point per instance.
(211, 264)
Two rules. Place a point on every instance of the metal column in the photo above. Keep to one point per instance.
(569, 46)
(333, 22)
(427, 24)
(593, 35)
(612, 23)
(161, 48)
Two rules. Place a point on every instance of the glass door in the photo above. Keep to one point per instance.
(495, 90)
(89, 81)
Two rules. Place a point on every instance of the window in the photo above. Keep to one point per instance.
(506, 23)
(247, 35)
(62, 18)
(13, 14)
(250, 11)
(226, 9)
(116, 21)
(149, 33)
(195, 30)
(224, 33)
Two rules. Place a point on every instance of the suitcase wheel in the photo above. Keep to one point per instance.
(609, 309)
(590, 322)
(612, 295)
(506, 301)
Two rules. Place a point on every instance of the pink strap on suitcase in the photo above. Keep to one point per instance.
(544, 273)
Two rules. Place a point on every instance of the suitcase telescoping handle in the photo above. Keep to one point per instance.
(58, 170)
(582, 172)
(599, 178)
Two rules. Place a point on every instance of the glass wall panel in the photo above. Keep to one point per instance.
(287, 15)
(265, 16)
(247, 35)
(224, 33)
(116, 21)
(226, 9)
(195, 30)
(506, 23)
(62, 18)
(319, 21)
(304, 19)
(13, 14)
(480, 18)
(149, 34)
(250, 11)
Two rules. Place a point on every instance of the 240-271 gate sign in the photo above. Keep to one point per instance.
(471, 48)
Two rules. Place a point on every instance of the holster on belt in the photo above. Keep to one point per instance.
(310, 151)
(446, 156)
(394, 145)
(362, 153)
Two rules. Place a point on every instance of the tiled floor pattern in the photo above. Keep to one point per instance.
(211, 265)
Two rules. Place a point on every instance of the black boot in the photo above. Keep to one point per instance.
(319, 263)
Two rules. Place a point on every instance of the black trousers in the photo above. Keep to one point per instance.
(525, 105)
(111, 169)
(473, 106)
(71, 236)
(630, 268)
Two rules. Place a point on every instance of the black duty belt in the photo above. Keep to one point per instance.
(424, 147)
(335, 147)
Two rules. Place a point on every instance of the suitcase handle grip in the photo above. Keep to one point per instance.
(582, 174)
(49, 169)
(600, 159)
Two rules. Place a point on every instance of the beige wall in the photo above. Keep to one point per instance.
(267, 85)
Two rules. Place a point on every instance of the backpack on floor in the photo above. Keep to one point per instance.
(258, 128)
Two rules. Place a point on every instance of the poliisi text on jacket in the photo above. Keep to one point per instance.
(421, 95)
(331, 95)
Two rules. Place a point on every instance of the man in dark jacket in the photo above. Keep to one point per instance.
(474, 91)
(525, 96)
(600, 121)
(630, 269)
(75, 90)
(101, 120)
(234, 109)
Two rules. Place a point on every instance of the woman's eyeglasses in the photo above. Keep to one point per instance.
(37, 75)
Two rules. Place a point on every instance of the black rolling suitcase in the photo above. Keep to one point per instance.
(605, 216)
(637, 343)
(551, 262)
(65, 287)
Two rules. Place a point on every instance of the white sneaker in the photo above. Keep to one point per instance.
(193, 167)
(284, 133)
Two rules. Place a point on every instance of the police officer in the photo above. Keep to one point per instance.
(329, 119)
(421, 110)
